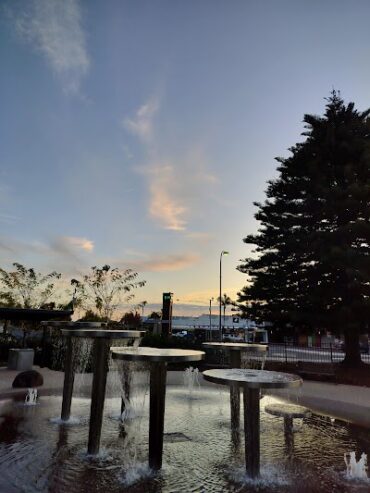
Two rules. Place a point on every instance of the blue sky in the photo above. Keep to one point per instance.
(139, 133)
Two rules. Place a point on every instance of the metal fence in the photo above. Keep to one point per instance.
(327, 353)
(288, 353)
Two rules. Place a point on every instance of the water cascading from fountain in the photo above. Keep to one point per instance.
(82, 348)
(253, 360)
(119, 380)
(81, 357)
(356, 469)
(31, 397)
(114, 380)
(134, 381)
(135, 465)
(191, 380)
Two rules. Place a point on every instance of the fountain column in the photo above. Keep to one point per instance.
(235, 362)
(100, 365)
(126, 389)
(158, 373)
(69, 378)
(251, 400)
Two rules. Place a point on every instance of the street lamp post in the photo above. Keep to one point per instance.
(219, 322)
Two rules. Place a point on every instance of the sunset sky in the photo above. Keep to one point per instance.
(139, 133)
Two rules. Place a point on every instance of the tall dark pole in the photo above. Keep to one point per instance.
(158, 372)
(219, 319)
(220, 316)
(235, 362)
(69, 378)
(101, 356)
(210, 319)
(251, 397)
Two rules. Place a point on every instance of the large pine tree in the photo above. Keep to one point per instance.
(312, 264)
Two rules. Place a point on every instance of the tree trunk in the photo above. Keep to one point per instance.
(352, 347)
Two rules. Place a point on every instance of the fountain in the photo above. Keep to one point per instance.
(252, 381)
(102, 340)
(288, 412)
(356, 469)
(191, 379)
(31, 397)
(198, 452)
(236, 349)
(158, 359)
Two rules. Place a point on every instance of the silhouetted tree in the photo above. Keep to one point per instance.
(132, 320)
(225, 302)
(312, 266)
(91, 316)
(141, 306)
(26, 288)
(155, 315)
(104, 289)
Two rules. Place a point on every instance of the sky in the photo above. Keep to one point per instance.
(139, 133)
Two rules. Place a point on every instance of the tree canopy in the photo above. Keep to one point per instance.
(225, 302)
(311, 265)
(105, 288)
(26, 288)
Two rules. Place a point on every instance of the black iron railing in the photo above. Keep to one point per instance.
(290, 353)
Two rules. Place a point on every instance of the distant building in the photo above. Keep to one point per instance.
(231, 322)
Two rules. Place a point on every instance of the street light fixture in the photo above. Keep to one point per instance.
(224, 252)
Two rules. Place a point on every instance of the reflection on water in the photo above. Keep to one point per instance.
(200, 452)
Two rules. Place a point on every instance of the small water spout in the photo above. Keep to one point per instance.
(356, 470)
(191, 379)
(31, 397)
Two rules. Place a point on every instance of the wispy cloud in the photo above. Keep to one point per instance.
(199, 236)
(77, 242)
(67, 254)
(141, 124)
(164, 207)
(8, 247)
(70, 246)
(54, 28)
(8, 218)
(203, 297)
(163, 263)
(176, 184)
(6, 199)
(177, 188)
(135, 253)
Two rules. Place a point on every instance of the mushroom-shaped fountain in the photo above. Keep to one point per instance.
(252, 381)
(102, 337)
(236, 349)
(158, 359)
